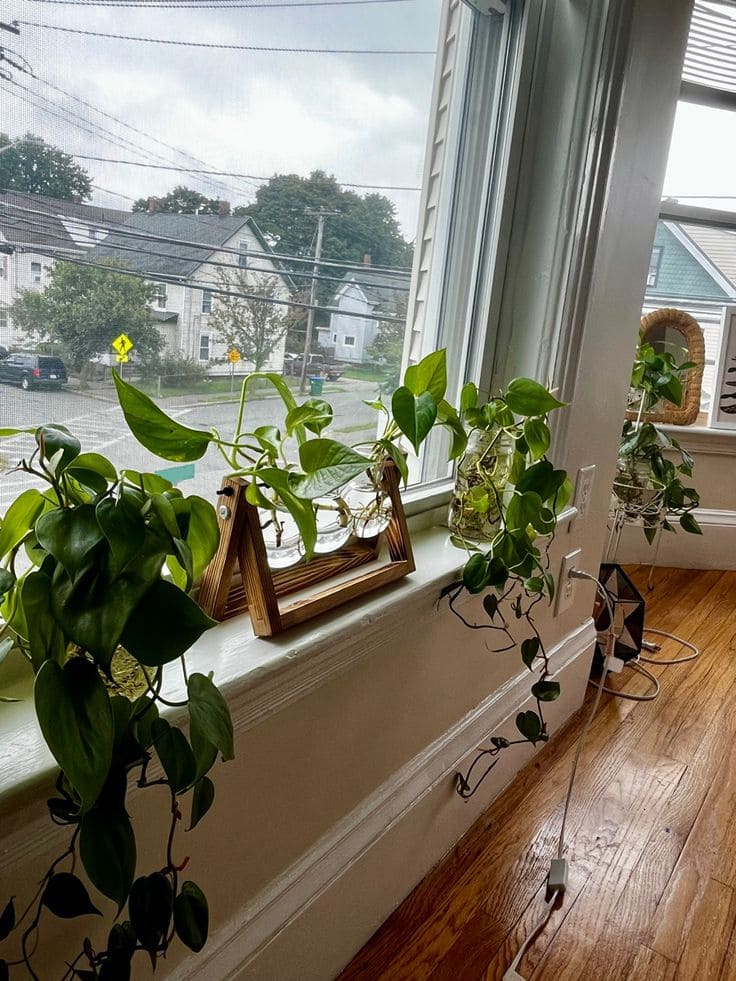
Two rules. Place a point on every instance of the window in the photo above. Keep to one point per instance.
(159, 296)
(334, 338)
(3, 323)
(348, 340)
(3, 267)
(206, 301)
(204, 347)
(35, 272)
(243, 255)
(654, 264)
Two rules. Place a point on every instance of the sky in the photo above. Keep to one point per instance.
(362, 118)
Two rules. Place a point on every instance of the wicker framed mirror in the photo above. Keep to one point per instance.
(680, 334)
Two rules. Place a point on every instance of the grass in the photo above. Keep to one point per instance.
(211, 387)
(364, 374)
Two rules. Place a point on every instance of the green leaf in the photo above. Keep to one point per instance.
(165, 624)
(529, 651)
(429, 375)
(20, 518)
(175, 754)
(107, 850)
(53, 440)
(191, 916)
(689, 523)
(45, 637)
(124, 527)
(202, 798)
(66, 896)
(162, 507)
(398, 456)
(315, 415)
(150, 907)
(209, 712)
(268, 438)
(475, 573)
(448, 417)
(145, 713)
(76, 720)
(155, 430)
(529, 725)
(92, 463)
(414, 414)
(205, 752)
(468, 397)
(71, 535)
(537, 436)
(7, 581)
(7, 919)
(542, 479)
(327, 465)
(299, 508)
(527, 397)
(546, 691)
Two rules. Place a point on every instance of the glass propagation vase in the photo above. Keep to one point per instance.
(480, 481)
(281, 536)
(640, 494)
(369, 503)
(334, 523)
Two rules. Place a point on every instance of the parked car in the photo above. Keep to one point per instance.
(317, 365)
(33, 371)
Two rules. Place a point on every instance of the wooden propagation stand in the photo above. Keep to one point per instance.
(239, 578)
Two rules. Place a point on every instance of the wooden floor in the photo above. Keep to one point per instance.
(652, 834)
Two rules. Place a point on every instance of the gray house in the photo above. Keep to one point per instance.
(372, 295)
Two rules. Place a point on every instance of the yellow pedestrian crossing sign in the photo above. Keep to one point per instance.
(122, 358)
(122, 345)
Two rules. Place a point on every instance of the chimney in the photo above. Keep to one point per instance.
(76, 198)
(366, 259)
(223, 208)
(153, 206)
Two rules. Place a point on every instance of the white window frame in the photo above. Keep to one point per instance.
(160, 296)
(655, 265)
(36, 274)
(207, 299)
(348, 340)
(204, 341)
(243, 254)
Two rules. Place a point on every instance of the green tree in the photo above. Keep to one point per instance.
(182, 201)
(388, 347)
(34, 167)
(85, 309)
(363, 226)
(250, 324)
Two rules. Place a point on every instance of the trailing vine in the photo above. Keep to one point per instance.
(511, 569)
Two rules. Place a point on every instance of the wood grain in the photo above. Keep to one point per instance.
(651, 832)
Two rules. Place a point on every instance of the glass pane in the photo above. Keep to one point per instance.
(158, 161)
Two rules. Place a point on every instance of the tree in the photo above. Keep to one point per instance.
(34, 167)
(252, 326)
(388, 346)
(85, 309)
(182, 201)
(364, 226)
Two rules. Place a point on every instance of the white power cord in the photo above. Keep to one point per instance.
(695, 651)
(557, 880)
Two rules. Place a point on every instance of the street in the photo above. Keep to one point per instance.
(100, 426)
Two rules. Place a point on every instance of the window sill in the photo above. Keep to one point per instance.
(701, 439)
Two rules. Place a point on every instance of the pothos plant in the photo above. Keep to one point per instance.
(651, 462)
(521, 501)
(86, 602)
(288, 466)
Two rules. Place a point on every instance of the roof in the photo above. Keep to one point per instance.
(718, 245)
(32, 219)
(173, 258)
(386, 292)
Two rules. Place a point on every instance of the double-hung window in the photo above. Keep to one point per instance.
(206, 301)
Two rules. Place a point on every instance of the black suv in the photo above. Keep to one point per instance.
(33, 371)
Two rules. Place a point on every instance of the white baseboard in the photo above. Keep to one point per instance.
(309, 922)
(714, 549)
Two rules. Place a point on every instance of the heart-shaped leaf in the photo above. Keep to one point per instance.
(429, 375)
(209, 713)
(175, 754)
(166, 623)
(45, 637)
(150, 907)
(191, 916)
(53, 440)
(107, 850)
(155, 430)
(70, 535)
(414, 414)
(529, 651)
(527, 397)
(66, 896)
(76, 720)
(202, 798)
(20, 518)
(529, 725)
(327, 465)
(546, 691)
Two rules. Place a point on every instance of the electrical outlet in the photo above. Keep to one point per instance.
(565, 590)
(583, 491)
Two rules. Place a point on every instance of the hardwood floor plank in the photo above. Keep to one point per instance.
(648, 965)
(652, 833)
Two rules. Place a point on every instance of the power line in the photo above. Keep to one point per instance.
(233, 173)
(131, 232)
(225, 47)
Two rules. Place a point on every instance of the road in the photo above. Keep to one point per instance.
(100, 426)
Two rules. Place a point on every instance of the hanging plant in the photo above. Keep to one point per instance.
(95, 572)
(504, 514)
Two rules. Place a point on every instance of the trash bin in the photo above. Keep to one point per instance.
(315, 384)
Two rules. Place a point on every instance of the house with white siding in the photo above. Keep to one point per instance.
(364, 298)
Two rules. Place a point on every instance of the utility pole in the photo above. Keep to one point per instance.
(322, 213)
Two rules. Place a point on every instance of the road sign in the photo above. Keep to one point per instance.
(233, 356)
(122, 358)
(122, 344)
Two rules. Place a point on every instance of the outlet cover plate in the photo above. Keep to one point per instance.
(565, 592)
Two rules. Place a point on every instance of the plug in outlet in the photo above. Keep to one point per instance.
(565, 591)
(583, 492)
